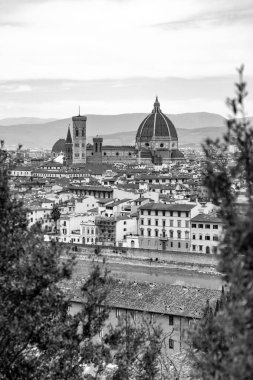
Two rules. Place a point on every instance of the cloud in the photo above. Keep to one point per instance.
(212, 18)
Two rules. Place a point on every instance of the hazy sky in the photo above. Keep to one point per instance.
(115, 56)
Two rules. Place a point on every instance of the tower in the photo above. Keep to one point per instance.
(97, 150)
(69, 148)
(79, 139)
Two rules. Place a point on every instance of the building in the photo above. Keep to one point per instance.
(206, 233)
(172, 307)
(166, 226)
(156, 143)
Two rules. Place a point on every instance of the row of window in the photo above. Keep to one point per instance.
(166, 213)
(172, 223)
(81, 145)
(171, 244)
(206, 237)
(79, 155)
(208, 226)
(207, 249)
(178, 234)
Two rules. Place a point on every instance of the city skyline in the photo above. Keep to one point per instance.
(114, 57)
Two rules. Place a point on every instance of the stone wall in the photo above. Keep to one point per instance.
(138, 253)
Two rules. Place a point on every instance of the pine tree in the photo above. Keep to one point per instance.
(224, 344)
(55, 215)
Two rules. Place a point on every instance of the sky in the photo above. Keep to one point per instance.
(115, 56)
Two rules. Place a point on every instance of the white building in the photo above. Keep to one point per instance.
(206, 233)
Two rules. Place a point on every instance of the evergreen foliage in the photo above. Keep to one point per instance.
(223, 341)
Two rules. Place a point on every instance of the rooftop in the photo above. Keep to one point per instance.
(168, 207)
(153, 297)
(206, 218)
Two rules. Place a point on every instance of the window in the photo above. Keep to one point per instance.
(187, 214)
(200, 237)
(179, 214)
(171, 244)
(149, 232)
(142, 222)
(215, 226)
(77, 133)
(164, 213)
(200, 225)
(156, 233)
(194, 247)
(76, 145)
(76, 154)
(104, 153)
(142, 232)
(207, 249)
(171, 223)
(194, 237)
(194, 225)
(141, 212)
(171, 213)
(201, 248)
(124, 222)
(171, 234)
(207, 226)
(117, 153)
(156, 222)
(149, 222)
(186, 245)
(124, 229)
(186, 234)
(187, 224)
(171, 320)
(179, 234)
(83, 132)
(207, 237)
(179, 223)
(156, 213)
(179, 245)
(215, 237)
(149, 212)
(164, 223)
(171, 344)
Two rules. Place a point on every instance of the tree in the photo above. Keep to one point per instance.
(224, 343)
(55, 215)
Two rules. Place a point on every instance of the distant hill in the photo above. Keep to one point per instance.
(24, 120)
(116, 129)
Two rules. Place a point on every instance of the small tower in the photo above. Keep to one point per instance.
(97, 150)
(79, 139)
(69, 148)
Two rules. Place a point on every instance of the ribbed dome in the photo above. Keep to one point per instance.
(59, 146)
(156, 124)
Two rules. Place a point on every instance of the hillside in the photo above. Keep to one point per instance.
(116, 129)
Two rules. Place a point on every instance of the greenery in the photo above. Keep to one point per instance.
(55, 215)
(223, 341)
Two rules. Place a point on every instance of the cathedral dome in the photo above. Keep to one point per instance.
(156, 125)
(59, 147)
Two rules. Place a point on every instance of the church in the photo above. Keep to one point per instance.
(156, 143)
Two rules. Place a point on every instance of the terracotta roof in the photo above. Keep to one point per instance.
(168, 207)
(206, 218)
(153, 297)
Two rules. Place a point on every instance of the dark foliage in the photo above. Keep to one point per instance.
(223, 343)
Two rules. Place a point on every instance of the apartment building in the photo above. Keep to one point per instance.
(206, 233)
(166, 226)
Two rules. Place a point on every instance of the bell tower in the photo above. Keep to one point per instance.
(79, 139)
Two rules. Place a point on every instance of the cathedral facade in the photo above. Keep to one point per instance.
(156, 142)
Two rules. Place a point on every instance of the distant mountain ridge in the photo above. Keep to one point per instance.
(192, 128)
